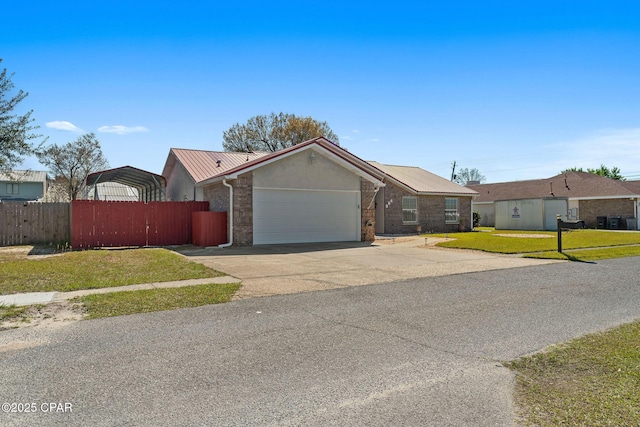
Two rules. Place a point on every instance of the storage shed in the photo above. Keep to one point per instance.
(530, 214)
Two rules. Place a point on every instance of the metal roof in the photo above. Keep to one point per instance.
(23, 176)
(111, 191)
(422, 181)
(150, 186)
(577, 185)
(204, 168)
(202, 165)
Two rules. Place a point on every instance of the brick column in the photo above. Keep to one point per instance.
(367, 216)
(243, 210)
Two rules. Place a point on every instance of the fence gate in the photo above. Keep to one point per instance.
(97, 223)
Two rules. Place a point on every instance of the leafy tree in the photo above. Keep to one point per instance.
(465, 175)
(274, 132)
(73, 161)
(613, 173)
(16, 131)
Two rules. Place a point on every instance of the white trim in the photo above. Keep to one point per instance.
(630, 197)
(415, 198)
(457, 211)
(229, 215)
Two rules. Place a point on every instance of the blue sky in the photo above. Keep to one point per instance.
(518, 90)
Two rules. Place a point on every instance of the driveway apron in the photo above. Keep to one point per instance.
(285, 269)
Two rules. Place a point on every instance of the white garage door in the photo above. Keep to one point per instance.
(305, 216)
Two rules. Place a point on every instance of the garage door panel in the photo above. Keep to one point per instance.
(295, 216)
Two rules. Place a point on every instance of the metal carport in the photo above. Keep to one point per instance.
(151, 187)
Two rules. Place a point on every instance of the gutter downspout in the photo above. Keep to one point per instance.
(230, 216)
(375, 193)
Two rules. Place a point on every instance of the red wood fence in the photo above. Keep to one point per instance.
(96, 223)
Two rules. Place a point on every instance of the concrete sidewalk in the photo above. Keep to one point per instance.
(32, 298)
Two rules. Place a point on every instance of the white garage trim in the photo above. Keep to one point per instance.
(285, 215)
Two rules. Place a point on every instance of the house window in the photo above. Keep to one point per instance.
(13, 188)
(451, 215)
(409, 210)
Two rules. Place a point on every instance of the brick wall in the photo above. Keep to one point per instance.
(464, 209)
(430, 213)
(589, 210)
(218, 197)
(243, 210)
(368, 216)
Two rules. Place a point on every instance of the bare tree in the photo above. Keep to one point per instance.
(73, 161)
(274, 132)
(465, 175)
(16, 131)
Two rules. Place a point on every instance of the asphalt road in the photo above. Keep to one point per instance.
(415, 353)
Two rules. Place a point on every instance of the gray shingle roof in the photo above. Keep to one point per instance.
(570, 184)
(422, 181)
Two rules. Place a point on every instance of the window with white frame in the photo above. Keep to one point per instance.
(13, 188)
(409, 210)
(451, 215)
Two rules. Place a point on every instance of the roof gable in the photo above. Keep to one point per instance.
(340, 155)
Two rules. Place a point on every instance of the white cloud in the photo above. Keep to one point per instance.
(375, 140)
(64, 125)
(122, 130)
(356, 131)
(611, 147)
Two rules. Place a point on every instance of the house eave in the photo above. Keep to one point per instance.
(351, 166)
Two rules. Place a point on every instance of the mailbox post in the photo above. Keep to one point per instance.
(559, 218)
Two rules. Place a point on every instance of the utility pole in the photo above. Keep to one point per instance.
(453, 171)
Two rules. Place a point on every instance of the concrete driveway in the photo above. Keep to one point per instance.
(286, 269)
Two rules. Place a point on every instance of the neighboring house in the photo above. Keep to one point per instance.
(315, 192)
(23, 186)
(590, 198)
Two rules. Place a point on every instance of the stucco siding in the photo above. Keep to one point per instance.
(301, 172)
(180, 186)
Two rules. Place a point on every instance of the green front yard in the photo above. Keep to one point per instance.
(95, 269)
(544, 244)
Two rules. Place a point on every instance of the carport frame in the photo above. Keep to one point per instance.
(151, 187)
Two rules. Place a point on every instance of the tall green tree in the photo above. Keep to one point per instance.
(613, 173)
(16, 130)
(274, 132)
(465, 175)
(72, 162)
